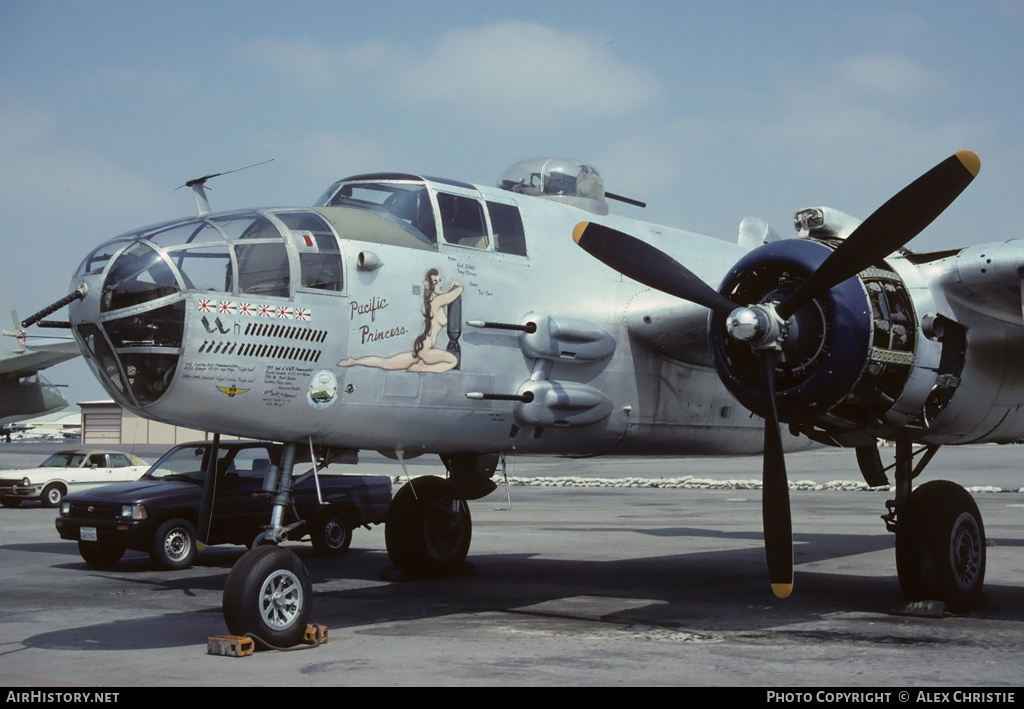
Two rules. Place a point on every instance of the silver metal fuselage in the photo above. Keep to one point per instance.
(340, 333)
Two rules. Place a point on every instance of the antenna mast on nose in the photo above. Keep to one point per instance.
(198, 186)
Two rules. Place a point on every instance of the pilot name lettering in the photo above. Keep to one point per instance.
(370, 308)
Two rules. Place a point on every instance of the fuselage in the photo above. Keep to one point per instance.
(367, 324)
(431, 316)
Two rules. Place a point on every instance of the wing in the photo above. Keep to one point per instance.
(31, 360)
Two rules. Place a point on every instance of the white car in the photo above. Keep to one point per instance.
(68, 471)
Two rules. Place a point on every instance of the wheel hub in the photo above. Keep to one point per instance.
(281, 598)
(965, 550)
(176, 545)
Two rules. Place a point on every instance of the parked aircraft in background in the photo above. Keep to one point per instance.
(24, 393)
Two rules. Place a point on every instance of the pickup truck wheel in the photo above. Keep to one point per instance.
(10, 502)
(100, 555)
(174, 545)
(52, 495)
(332, 535)
(268, 595)
(426, 530)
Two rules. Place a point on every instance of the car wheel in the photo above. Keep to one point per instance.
(268, 595)
(174, 545)
(52, 495)
(100, 555)
(10, 502)
(332, 535)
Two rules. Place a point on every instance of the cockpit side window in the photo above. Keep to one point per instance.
(462, 221)
(507, 225)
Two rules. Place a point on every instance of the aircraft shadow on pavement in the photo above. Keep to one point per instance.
(705, 591)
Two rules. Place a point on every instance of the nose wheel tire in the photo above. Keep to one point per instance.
(426, 531)
(268, 594)
(940, 546)
(174, 545)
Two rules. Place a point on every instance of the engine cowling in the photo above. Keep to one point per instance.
(847, 355)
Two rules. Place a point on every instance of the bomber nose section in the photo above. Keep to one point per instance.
(132, 322)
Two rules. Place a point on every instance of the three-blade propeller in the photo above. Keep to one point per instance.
(761, 325)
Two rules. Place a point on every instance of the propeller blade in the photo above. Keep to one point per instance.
(648, 265)
(778, 524)
(889, 227)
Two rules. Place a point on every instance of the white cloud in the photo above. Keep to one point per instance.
(507, 73)
(887, 74)
(528, 72)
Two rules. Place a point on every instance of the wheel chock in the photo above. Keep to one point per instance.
(315, 635)
(229, 645)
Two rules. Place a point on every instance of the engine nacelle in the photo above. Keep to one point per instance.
(847, 358)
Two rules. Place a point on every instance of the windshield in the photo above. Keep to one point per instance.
(406, 204)
(64, 460)
(190, 462)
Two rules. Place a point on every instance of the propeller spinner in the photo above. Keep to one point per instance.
(766, 326)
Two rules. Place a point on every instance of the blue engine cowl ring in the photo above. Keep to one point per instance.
(826, 348)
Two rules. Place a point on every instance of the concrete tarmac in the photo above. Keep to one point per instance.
(568, 586)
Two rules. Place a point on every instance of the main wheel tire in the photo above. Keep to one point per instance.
(100, 555)
(52, 495)
(268, 594)
(426, 531)
(10, 502)
(940, 546)
(331, 534)
(174, 545)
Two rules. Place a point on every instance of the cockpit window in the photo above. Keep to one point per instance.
(138, 275)
(319, 255)
(462, 220)
(407, 204)
(507, 225)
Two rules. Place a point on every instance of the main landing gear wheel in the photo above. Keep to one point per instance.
(268, 595)
(426, 531)
(940, 546)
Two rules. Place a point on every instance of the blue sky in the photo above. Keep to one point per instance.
(709, 111)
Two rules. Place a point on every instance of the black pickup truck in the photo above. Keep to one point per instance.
(158, 513)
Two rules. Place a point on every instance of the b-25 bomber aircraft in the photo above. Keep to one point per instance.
(412, 315)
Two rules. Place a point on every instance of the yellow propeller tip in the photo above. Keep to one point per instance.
(577, 232)
(782, 590)
(199, 545)
(971, 161)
